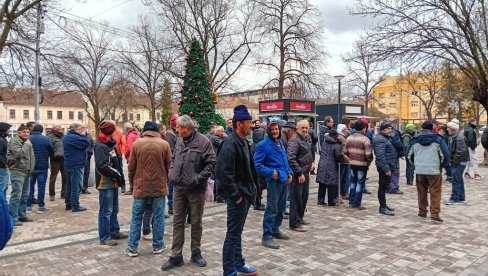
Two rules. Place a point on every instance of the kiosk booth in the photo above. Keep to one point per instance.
(287, 110)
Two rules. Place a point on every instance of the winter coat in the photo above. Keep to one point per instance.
(330, 156)
(3, 152)
(132, 136)
(386, 154)
(149, 165)
(20, 157)
(194, 163)
(57, 140)
(236, 173)
(171, 137)
(269, 157)
(458, 148)
(315, 139)
(397, 142)
(6, 222)
(484, 138)
(428, 153)
(359, 150)
(108, 173)
(216, 141)
(470, 134)
(322, 132)
(119, 138)
(75, 149)
(299, 152)
(257, 136)
(43, 149)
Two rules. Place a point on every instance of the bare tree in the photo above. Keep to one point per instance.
(223, 27)
(84, 65)
(292, 30)
(419, 30)
(366, 71)
(149, 60)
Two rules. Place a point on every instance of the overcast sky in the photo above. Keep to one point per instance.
(341, 28)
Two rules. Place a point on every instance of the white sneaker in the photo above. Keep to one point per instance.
(147, 237)
(159, 251)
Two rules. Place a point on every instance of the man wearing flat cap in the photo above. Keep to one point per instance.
(429, 154)
(108, 178)
(459, 150)
(148, 168)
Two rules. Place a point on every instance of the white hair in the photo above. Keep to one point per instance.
(186, 121)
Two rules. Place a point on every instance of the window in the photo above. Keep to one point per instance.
(382, 105)
(392, 94)
(414, 103)
(138, 116)
(414, 115)
(26, 114)
(80, 115)
(158, 116)
(11, 114)
(131, 117)
(60, 115)
(382, 95)
(71, 115)
(413, 93)
(49, 114)
(392, 105)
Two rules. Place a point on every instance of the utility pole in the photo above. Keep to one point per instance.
(37, 80)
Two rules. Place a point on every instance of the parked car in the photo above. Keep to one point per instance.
(482, 129)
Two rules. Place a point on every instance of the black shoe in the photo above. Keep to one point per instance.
(281, 236)
(385, 211)
(313, 173)
(390, 209)
(321, 203)
(170, 211)
(34, 201)
(409, 183)
(398, 192)
(79, 209)
(198, 260)
(67, 208)
(26, 219)
(260, 207)
(270, 244)
(85, 192)
(219, 200)
(166, 216)
(123, 191)
(436, 220)
(366, 192)
(172, 263)
(422, 215)
(120, 236)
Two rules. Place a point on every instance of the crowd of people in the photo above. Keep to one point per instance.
(179, 168)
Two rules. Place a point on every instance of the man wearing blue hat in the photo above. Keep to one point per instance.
(237, 180)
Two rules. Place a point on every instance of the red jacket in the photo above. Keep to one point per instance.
(132, 136)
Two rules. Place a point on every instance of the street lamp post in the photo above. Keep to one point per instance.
(339, 78)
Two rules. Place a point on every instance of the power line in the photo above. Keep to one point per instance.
(109, 9)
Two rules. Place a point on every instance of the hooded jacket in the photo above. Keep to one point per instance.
(429, 153)
(270, 157)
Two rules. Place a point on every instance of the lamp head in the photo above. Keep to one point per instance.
(339, 77)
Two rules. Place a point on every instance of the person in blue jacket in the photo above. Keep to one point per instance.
(271, 162)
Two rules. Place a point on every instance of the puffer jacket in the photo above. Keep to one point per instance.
(458, 148)
(43, 149)
(75, 149)
(57, 140)
(484, 138)
(132, 136)
(20, 157)
(269, 157)
(108, 173)
(194, 163)
(330, 156)
(299, 152)
(428, 153)
(397, 142)
(470, 134)
(385, 152)
(149, 164)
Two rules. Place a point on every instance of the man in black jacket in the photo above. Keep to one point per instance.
(326, 128)
(4, 174)
(237, 179)
(471, 137)
(459, 156)
(484, 143)
(386, 162)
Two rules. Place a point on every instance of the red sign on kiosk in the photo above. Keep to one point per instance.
(300, 106)
(272, 106)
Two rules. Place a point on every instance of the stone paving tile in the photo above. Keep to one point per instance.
(340, 241)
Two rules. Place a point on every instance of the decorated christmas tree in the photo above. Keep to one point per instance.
(197, 99)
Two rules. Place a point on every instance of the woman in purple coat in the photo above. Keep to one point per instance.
(328, 169)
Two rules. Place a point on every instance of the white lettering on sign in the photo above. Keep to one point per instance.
(271, 106)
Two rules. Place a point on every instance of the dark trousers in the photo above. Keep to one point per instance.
(86, 174)
(383, 186)
(332, 193)
(429, 184)
(260, 186)
(121, 163)
(409, 173)
(181, 203)
(57, 166)
(232, 249)
(298, 200)
(148, 215)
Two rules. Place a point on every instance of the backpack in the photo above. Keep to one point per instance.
(6, 222)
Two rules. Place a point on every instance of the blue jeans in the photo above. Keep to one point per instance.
(409, 172)
(4, 177)
(232, 250)
(170, 195)
(41, 177)
(108, 224)
(358, 180)
(457, 193)
(18, 198)
(275, 207)
(345, 178)
(73, 187)
(158, 222)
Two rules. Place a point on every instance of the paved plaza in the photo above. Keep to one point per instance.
(340, 241)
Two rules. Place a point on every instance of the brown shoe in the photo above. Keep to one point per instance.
(298, 229)
(360, 208)
(304, 222)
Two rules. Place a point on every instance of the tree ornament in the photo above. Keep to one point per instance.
(199, 83)
(180, 113)
(189, 89)
(211, 122)
(182, 77)
(185, 98)
(191, 79)
(201, 48)
(196, 96)
(186, 57)
(183, 85)
(199, 103)
(191, 113)
(201, 113)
